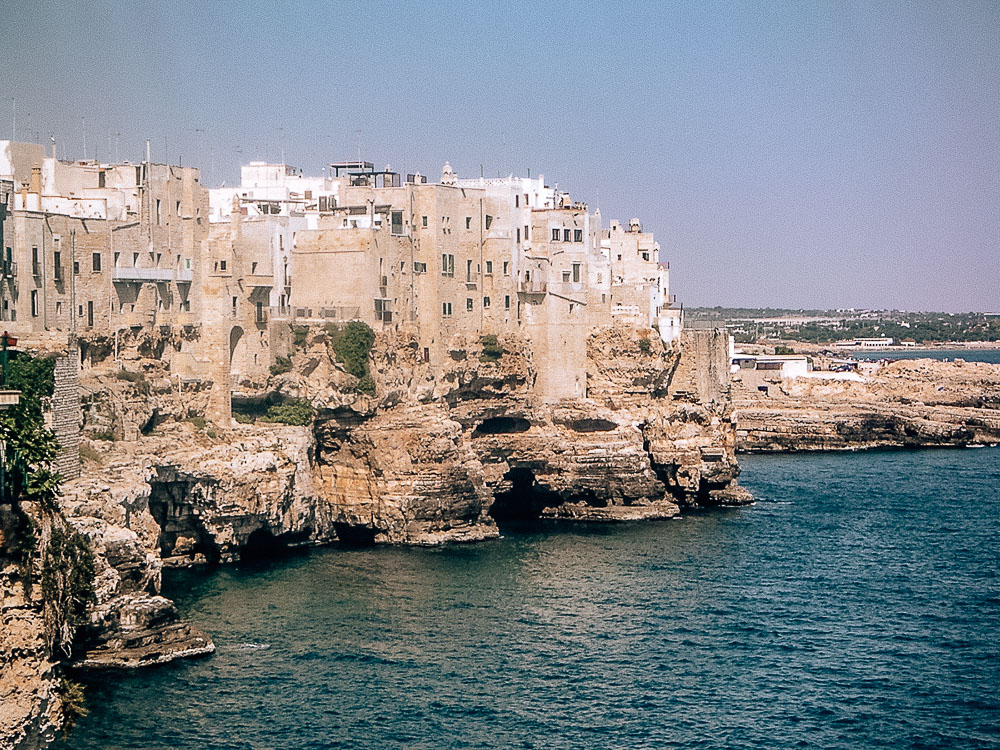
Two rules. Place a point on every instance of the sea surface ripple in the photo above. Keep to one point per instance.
(856, 604)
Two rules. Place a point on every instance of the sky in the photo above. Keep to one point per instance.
(787, 154)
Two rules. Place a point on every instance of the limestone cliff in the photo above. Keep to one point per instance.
(904, 404)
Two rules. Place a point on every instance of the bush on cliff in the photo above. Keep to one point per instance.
(492, 351)
(295, 411)
(351, 345)
(299, 336)
(281, 365)
(644, 346)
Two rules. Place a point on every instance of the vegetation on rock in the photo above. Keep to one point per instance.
(294, 411)
(492, 351)
(281, 365)
(74, 705)
(352, 344)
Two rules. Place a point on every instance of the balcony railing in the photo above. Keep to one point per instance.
(58, 272)
(533, 287)
(142, 274)
(36, 268)
(184, 275)
(9, 269)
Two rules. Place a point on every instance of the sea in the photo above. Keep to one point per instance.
(856, 604)
(969, 355)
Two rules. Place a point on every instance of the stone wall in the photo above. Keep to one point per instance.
(65, 415)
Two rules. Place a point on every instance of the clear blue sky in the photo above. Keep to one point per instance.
(797, 154)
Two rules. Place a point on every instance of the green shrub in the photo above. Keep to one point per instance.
(281, 365)
(294, 411)
(644, 346)
(366, 384)
(199, 422)
(243, 418)
(67, 582)
(492, 351)
(74, 704)
(783, 350)
(299, 335)
(352, 345)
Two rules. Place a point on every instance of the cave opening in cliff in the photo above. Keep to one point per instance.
(525, 499)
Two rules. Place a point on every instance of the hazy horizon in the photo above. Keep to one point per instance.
(793, 155)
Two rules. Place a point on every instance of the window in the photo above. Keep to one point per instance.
(178, 208)
(253, 267)
(516, 201)
(645, 256)
(157, 212)
(468, 304)
(489, 268)
(57, 265)
(489, 221)
(519, 234)
(76, 268)
(506, 302)
(34, 303)
(486, 302)
(419, 267)
(446, 309)
(526, 236)
(565, 275)
(525, 200)
(506, 268)
(423, 221)
(577, 235)
(95, 262)
(555, 234)
(100, 179)
(427, 354)
(576, 273)
(468, 222)
(222, 265)
(566, 235)
(397, 222)
(90, 314)
(468, 270)
(234, 303)
(447, 264)
(36, 269)
(58, 307)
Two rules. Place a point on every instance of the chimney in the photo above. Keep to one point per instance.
(36, 180)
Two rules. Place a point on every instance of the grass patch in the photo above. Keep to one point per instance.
(299, 335)
(198, 422)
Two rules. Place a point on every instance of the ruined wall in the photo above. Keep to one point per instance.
(703, 372)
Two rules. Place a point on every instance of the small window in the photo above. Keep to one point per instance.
(506, 302)
(577, 235)
(222, 265)
(96, 262)
(178, 208)
(446, 309)
(519, 234)
(76, 268)
(468, 222)
(506, 268)
(397, 222)
(555, 234)
(419, 267)
(447, 264)
(423, 221)
(489, 221)
(526, 235)
(57, 265)
(234, 303)
(645, 256)
(90, 314)
(468, 270)
(468, 304)
(565, 276)
(486, 303)
(516, 201)
(157, 212)
(489, 268)
(34, 303)
(576, 273)
(566, 235)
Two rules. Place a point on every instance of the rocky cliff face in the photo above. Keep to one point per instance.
(434, 455)
(905, 404)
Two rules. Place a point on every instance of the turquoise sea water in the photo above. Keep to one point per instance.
(857, 604)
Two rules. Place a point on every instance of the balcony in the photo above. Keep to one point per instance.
(36, 269)
(259, 280)
(533, 287)
(158, 275)
(9, 269)
(57, 272)
(184, 275)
